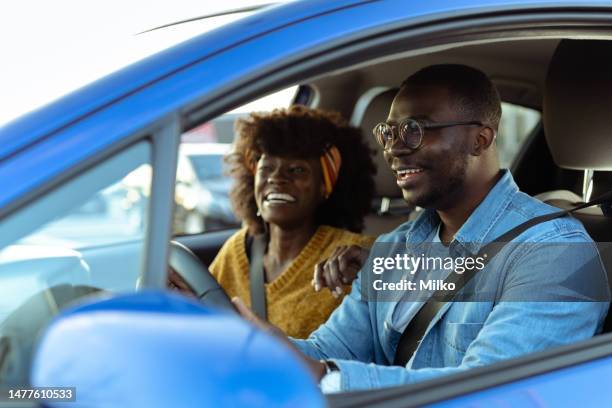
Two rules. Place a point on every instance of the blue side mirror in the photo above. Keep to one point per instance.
(155, 349)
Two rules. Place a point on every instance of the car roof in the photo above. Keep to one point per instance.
(519, 76)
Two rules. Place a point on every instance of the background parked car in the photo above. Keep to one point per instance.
(202, 189)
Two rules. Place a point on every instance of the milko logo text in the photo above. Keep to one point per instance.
(406, 285)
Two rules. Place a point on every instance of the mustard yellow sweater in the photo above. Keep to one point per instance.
(292, 303)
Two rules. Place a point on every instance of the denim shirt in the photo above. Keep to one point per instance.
(538, 302)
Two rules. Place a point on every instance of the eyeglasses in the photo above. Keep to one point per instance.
(411, 131)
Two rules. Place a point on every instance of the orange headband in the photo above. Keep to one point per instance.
(330, 166)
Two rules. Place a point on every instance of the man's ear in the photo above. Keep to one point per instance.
(483, 140)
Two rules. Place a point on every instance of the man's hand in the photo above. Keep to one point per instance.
(176, 282)
(316, 367)
(339, 269)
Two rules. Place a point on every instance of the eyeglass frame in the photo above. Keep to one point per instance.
(422, 127)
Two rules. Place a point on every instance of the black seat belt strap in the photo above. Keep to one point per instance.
(257, 250)
(415, 331)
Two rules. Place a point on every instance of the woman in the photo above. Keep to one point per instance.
(303, 183)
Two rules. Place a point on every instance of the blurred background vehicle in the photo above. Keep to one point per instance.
(202, 189)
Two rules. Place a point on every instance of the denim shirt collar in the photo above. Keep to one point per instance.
(474, 231)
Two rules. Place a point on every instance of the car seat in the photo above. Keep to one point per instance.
(576, 111)
(388, 207)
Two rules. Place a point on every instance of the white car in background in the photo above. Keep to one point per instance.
(202, 189)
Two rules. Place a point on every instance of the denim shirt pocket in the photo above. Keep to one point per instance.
(458, 337)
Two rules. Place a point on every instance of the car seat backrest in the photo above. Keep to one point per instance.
(577, 104)
(389, 208)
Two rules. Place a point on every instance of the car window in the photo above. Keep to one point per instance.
(85, 237)
(516, 124)
(112, 215)
(202, 185)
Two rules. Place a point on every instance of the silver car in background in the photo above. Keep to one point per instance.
(202, 189)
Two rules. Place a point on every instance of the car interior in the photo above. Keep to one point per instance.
(518, 68)
(550, 161)
(546, 163)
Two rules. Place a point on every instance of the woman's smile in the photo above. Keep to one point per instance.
(275, 198)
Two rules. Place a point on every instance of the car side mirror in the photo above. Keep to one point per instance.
(158, 349)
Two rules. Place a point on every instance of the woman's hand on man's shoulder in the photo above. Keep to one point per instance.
(339, 269)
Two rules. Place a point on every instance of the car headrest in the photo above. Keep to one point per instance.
(577, 105)
(372, 108)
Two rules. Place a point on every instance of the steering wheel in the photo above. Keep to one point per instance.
(198, 277)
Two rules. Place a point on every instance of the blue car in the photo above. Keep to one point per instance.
(83, 269)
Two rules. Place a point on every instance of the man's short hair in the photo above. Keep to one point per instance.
(471, 89)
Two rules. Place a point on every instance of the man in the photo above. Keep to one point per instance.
(439, 140)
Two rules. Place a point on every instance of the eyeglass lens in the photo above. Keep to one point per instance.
(410, 133)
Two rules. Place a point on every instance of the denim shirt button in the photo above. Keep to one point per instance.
(386, 325)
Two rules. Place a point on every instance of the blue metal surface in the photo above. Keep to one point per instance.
(155, 349)
(42, 145)
(585, 385)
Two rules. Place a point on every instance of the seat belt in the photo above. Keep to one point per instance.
(257, 279)
(415, 331)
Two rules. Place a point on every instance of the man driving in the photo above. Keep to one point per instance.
(546, 288)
